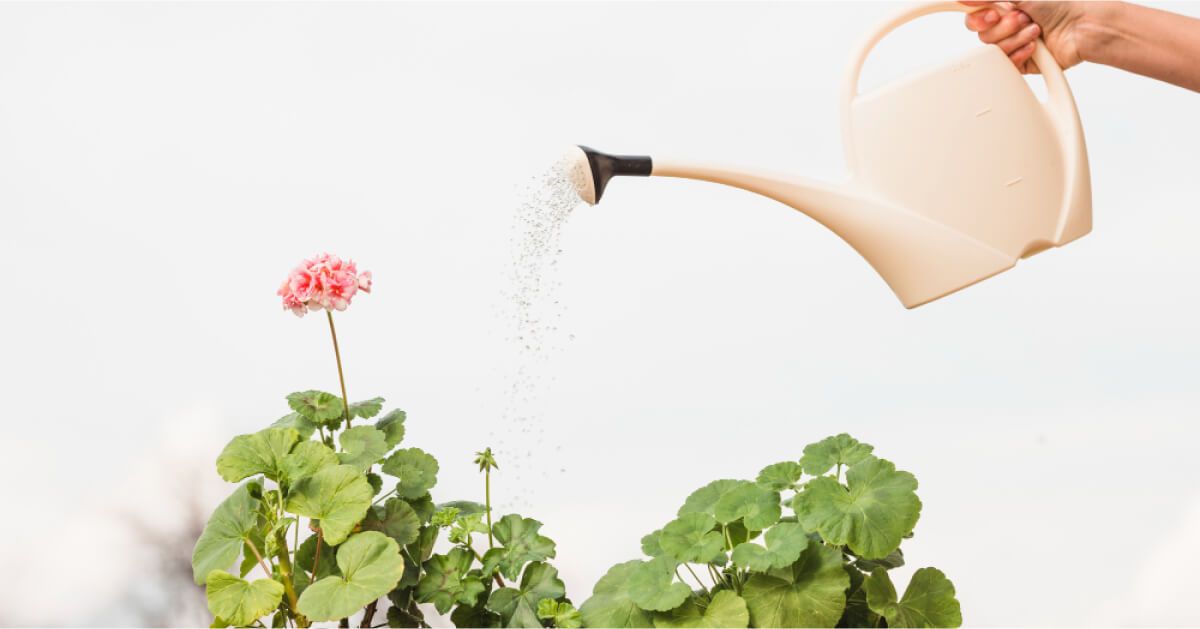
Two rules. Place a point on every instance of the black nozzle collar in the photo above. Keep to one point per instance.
(605, 167)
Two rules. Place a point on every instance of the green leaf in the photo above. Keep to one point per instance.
(416, 470)
(690, 538)
(704, 500)
(519, 544)
(228, 528)
(465, 507)
(258, 453)
(392, 426)
(857, 613)
(475, 616)
(653, 587)
(841, 449)
(424, 507)
(810, 593)
(303, 425)
(338, 496)
(895, 559)
(362, 447)
(611, 605)
(756, 507)
(370, 565)
(725, 610)
(326, 564)
(464, 526)
(239, 602)
(394, 518)
(518, 607)
(306, 459)
(560, 613)
(366, 409)
(780, 476)
(318, 406)
(872, 516)
(446, 581)
(376, 482)
(652, 544)
(785, 541)
(928, 602)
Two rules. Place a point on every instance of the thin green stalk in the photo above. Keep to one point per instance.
(316, 559)
(487, 497)
(289, 588)
(837, 475)
(695, 576)
(377, 500)
(341, 378)
(261, 563)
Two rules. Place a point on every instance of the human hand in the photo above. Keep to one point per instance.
(1015, 27)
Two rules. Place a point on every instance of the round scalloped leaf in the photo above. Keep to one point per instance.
(562, 614)
(785, 541)
(338, 496)
(651, 544)
(872, 516)
(392, 426)
(362, 447)
(306, 459)
(691, 538)
(416, 470)
(704, 500)
(446, 581)
(756, 507)
(810, 593)
(370, 566)
(653, 586)
(610, 604)
(394, 518)
(726, 610)
(928, 601)
(319, 406)
(518, 607)
(366, 409)
(303, 425)
(520, 543)
(258, 453)
(239, 602)
(780, 476)
(841, 449)
(230, 525)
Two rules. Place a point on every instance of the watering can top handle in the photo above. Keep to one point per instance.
(1060, 102)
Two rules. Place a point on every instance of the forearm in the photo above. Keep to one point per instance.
(1153, 43)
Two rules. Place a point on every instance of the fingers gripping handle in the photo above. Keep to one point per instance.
(1061, 104)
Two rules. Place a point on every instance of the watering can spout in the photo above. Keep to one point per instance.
(920, 259)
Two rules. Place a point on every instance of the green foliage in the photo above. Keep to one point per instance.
(416, 470)
(725, 609)
(306, 459)
(392, 426)
(321, 408)
(447, 582)
(370, 567)
(871, 514)
(338, 496)
(807, 570)
(518, 607)
(229, 528)
(259, 453)
(396, 519)
(362, 446)
(366, 409)
(520, 543)
(928, 601)
(560, 613)
(238, 602)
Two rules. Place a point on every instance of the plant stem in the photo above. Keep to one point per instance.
(261, 564)
(695, 576)
(499, 581)
(341, 378)
(316, 560)
(487, 496)
(837, 475)
(369, 614)
(383, 496)
(285, 571)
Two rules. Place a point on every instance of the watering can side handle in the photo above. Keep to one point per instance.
(1060, 102)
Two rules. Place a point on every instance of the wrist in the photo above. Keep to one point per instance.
(1097, 28)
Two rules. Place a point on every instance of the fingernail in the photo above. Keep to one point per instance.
(991, 16)
(1032, 30)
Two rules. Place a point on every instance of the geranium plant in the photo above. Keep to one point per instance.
(313, 516)
(732, 558)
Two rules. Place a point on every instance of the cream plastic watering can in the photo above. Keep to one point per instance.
(956, 172)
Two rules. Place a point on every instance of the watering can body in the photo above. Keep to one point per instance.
(956, 173)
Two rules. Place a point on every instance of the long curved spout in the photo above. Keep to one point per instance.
(920, 259)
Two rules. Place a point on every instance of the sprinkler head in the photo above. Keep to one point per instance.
(590, 170)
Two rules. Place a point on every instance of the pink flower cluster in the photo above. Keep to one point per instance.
(325, 281)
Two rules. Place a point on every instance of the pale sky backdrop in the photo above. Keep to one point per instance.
(164, 165)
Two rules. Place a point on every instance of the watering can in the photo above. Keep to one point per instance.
(956, 173)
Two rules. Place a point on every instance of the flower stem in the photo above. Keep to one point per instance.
(341, 378)
(487, 496)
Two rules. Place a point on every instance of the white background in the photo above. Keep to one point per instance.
(162, 166)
